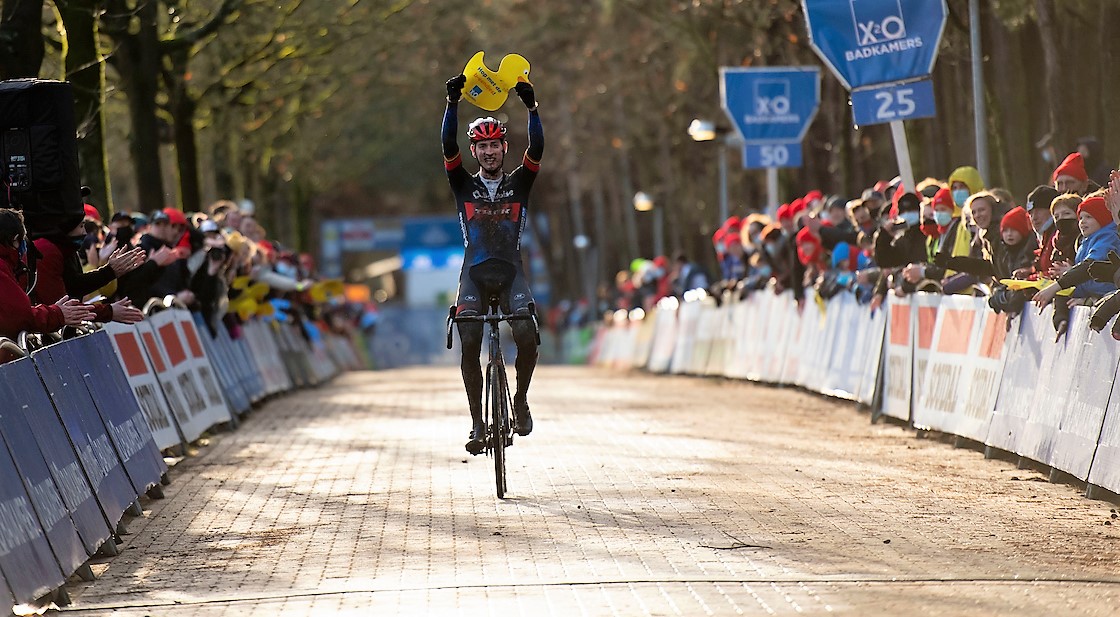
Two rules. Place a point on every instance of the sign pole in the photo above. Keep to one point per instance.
(902, 151)
(772, 191)
(979, 112)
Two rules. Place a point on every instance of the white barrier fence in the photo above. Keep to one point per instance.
(944, 363)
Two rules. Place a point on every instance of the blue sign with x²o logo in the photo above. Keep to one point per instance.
(868, 42)
(770, 105)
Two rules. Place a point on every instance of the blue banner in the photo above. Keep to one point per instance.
(903, 101)
(32, 408)
(61, 373)
(432, 233)
(32, 465)
(124, 420)
(770, 105)
(218, 350)
(763, 156)
(868, 42)
(26, 560)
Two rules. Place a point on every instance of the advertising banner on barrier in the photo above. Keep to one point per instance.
(61, 373)
(962, 375)
(643, 344)
(847, 331)
(898, 364)
(722, 344)
(144, 383)
(32, 422)
(1087, 399)
(1105, 468)
(778, 336)
(688, 319)
(46, 499)
(119, 410)
(175, 369)
(26, 560)
(217, 408)
(873, 338)
(1030, 335)
(267, 357)
(220, 355)
(1056, 373)
(664, 336)
(925, 320)
(707, 327)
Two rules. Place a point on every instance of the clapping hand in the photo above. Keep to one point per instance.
(73, 311)
(124, 312)
(123, 260)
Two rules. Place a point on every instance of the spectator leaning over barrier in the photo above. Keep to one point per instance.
(987, 250)
(17, 313)
(860, 216)
(898, 243)
(210, 274)
(953, 240)
(687, 275)
(1108, 270)
(1042, 221)
(1070, 176)
(873, 200)
(165, 272)
(1100, 234)
(836, 214)
(58, 272)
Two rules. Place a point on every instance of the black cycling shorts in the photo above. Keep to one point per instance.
(493, 277)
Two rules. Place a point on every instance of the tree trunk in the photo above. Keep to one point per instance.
(21, 39)
(137, 61)
(1059, 131)
(183, 108)
(85, 69)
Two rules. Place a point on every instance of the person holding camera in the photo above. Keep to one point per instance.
(209, 268)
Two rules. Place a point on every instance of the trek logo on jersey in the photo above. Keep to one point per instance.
(509, 212)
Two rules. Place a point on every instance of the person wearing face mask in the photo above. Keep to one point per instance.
(1042, 221)
(898, 243)
(59, 272)
(1066, 234)
(17, 312)
(963, 183)
(779, 256)
(1101, 238)
(954, 240)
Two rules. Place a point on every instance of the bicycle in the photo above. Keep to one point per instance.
(496, 397)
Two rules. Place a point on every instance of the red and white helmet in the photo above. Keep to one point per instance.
(486, 128)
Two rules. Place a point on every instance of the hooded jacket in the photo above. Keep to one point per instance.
(17, 314)
(1095, 247)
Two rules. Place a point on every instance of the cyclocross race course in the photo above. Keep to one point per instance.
(635, 495)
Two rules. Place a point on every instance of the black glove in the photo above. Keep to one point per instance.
(1105, 271)
(941, 259)
(524, 91)
(455, 88)
(1104, 310)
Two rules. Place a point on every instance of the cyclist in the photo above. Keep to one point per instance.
(493, 208)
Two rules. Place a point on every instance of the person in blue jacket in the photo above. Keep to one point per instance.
(1099, 235)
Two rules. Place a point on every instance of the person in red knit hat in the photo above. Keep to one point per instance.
(1070, 176)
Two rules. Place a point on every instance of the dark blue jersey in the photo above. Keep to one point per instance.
(492, 226)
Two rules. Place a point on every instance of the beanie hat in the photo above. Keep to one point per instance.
(91, 213)
(784, 214)
(806, 236)
(944, 197)
(1097, 208)
(1016, 219)
(1041, 197)
(796, 207)
(970, 176)
(812, 196)
(1073, 166)
(841, 252)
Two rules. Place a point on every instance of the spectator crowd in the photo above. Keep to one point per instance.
(1059, 244)
(219, 263)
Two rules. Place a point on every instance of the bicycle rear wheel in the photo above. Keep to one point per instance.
(499, 431)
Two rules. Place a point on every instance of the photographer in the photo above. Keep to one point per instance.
(209, 268)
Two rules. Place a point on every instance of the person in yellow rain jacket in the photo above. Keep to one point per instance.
(953, 240)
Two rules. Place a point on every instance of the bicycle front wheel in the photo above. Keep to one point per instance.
(499, 431)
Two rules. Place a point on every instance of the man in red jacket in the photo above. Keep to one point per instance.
(17, 314)
(58, 272)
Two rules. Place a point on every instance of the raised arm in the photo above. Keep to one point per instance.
(533, 153)
(451, 119)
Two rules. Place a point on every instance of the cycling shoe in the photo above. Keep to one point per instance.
(522, 419)
(476, 443)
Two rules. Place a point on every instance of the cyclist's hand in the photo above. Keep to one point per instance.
(524, 91)
(455, 88)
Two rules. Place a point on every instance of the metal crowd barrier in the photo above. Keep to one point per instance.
(939, 363)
